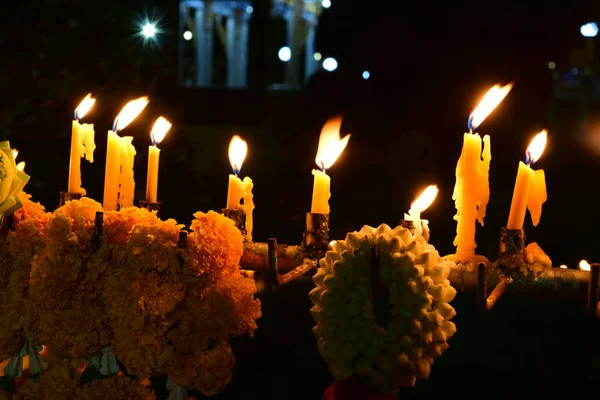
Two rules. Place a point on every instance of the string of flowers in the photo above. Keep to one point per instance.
(139, 299)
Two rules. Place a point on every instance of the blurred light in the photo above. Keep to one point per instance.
(574, 71)
(249, 9)
(149, 30)
(551, 65)
(326, 3)
(330, 64)
(187, 35)
(563, 267)
(285, 54)
(589, 30)
(366, 74)
(317, 56)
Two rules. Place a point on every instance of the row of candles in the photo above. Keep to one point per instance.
(119, 182)
(471, 192)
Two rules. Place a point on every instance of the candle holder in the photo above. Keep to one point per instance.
(150, 206)
(512, 243)
(315, 239)
(66, 196)
(238, 216)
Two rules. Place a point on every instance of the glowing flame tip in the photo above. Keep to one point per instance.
(130, 112)
(159, 130)
(85, 106)
(488, 103)
(331, 144)
(425, 199)
(536, 147)
(238, 148)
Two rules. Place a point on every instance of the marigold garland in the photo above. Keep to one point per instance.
(160, 308)
(351, 340)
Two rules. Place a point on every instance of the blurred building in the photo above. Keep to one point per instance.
(217, 40)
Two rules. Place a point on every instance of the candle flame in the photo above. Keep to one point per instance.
(536, 147)
(159, 130)
(584, 265)
(425, 199)
(332, 243)
(85, 106)
(331, 144)
(563, 267)
(21, 166)
(130, 112)
(238, 148)
(15, 153)
(488, 103)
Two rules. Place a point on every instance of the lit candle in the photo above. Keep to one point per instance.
(472, 190)
(120, 151)
(418, 206)
(82, 144)
(331, 145)
(584, 265)
(237, 189)
(159, 131)
(530, 186)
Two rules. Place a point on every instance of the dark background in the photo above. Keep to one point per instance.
(430, 64)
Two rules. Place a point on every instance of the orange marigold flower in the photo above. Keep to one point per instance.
(214, 244)
(115, 388)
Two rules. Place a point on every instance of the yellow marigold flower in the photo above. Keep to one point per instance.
(115, 388)
(214, 243)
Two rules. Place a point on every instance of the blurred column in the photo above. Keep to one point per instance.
(310, 64)
(237, 48)
(231, 47)
(180, 43)
(294, 41)
(204, 43)
(243, 49)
